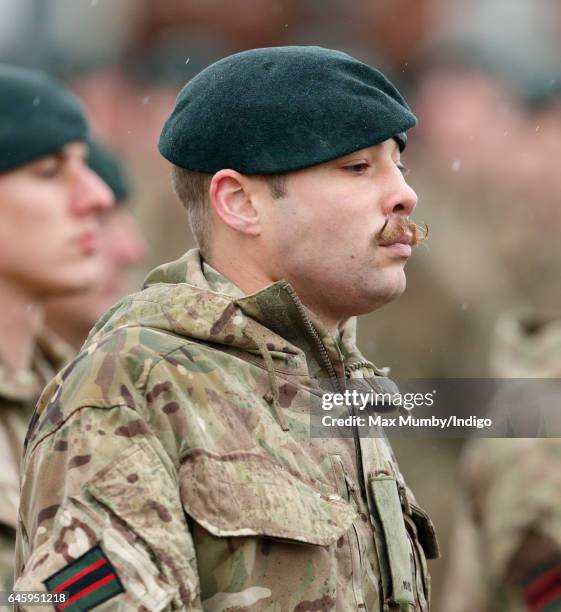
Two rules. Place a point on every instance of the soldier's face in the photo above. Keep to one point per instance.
(326, 231)
(121, 246)
(49, 224)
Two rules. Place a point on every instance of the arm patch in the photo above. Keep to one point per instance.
(88, 581)
(542, 590)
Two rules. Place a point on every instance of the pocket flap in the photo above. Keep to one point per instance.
(246, 494)
(140, 491)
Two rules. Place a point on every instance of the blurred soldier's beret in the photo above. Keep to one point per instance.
(282, 108)
(107, 166)
(37, 116)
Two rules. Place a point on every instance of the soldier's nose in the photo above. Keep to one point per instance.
(90, 193)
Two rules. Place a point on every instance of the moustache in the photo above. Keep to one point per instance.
(394, 228)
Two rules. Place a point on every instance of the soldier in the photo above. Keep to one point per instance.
(51, 202)
(170, 465)
(507, 541)
(121, 246)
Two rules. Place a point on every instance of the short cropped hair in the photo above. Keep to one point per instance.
(192, 189)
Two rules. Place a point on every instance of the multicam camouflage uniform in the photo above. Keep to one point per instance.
(176, 446)
(506, 553)
(19, 391)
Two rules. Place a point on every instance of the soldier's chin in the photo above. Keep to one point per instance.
(59, 288)
(393, 288)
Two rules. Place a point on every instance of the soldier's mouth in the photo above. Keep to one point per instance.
(400, 247)
(88, 242)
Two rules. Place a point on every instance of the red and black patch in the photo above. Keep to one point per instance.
(88, 581)
(542, 590)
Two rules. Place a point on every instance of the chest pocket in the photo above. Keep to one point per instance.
(246, 494)
(264, 537)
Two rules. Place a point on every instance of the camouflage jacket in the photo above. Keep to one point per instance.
(506, 552)
(174, 457)
(19, 392)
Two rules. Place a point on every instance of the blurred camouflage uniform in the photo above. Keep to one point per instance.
(19, 391)
(174, 454)
(507, 543)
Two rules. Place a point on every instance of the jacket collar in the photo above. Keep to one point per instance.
(278, 308)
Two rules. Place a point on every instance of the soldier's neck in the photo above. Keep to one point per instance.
(251, 279)
(21, 319)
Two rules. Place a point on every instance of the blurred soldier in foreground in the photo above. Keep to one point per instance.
(507, 545)
(121, 246)
(170, 465)
(49, 226)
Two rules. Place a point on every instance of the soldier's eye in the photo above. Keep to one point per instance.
(49, 167)
(358, 168)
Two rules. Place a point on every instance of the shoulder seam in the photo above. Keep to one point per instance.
(31, 450)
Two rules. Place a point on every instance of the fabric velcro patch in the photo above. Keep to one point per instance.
(543, 589)
(88, 581)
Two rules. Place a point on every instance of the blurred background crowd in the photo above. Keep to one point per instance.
(484, 79)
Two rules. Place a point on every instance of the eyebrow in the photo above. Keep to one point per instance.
(353, 154)
(55, 155)
(367, 152)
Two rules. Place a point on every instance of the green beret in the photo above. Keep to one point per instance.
(107, 166)
(37, 117)
(278, 109)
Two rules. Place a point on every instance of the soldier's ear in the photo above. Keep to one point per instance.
(232, 200)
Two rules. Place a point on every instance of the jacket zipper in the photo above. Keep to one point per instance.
(312, 332)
